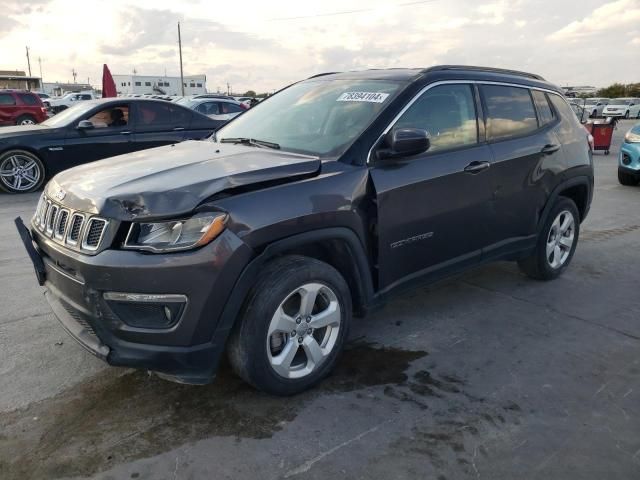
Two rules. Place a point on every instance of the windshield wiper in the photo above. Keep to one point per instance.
(251, 141)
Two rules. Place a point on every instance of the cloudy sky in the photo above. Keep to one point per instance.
(265, 45)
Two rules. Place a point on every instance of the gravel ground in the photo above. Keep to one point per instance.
(488, 375)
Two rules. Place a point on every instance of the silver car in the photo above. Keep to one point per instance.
(220, 109)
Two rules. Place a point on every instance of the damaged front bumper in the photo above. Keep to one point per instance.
(157, 312)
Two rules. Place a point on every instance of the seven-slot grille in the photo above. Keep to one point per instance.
(71, 228)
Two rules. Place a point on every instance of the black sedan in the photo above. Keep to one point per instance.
(93, 130)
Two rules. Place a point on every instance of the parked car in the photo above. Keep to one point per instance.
(43, 95)
(220, 109)
(57, 105)
(627, 107)
(90, 131)
(315, 205)
(629, 158)
(20, 107)
(595, 106)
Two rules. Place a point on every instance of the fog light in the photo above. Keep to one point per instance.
(142, 310)
(626, 159)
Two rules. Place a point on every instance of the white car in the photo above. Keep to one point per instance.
(595, 105)
(58, 104)
(627, 107)
(221, 109)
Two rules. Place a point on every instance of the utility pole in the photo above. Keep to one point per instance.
(41, 79)
(180, 50)
(28, 61)
(228, 88)
(75, 74)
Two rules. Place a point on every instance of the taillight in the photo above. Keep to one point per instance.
(590, 141)
(44, 110)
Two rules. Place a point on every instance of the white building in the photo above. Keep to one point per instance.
(160, 85)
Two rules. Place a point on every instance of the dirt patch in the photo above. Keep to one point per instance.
(124, 415)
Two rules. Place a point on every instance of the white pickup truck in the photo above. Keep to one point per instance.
(56, 105)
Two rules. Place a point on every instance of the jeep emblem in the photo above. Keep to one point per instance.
(60, 194)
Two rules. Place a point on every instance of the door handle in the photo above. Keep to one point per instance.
(178, 129)
(476, 167)
(125, 133)
(550, 148)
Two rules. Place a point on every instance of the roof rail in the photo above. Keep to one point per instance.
(322, 74)
(484, 69)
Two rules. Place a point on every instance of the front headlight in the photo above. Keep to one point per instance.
(631, 137)
(176, 234)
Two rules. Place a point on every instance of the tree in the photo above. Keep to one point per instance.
(249, 93)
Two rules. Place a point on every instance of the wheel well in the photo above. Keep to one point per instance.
(579, 194)
(336, 253)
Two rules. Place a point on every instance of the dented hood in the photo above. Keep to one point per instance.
(171, 181)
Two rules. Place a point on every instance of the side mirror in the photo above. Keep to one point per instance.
(85, 125)
(405, 142)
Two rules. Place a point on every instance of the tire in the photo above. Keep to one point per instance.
(26, 120)
(627, 179)
(541, 265)
(260, 358)
(27, 166)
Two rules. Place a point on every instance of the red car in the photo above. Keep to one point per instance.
(20, 107)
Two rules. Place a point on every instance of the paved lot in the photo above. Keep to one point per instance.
(489, 375)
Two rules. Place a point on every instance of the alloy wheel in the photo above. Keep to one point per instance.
(27, 121)
(304, 330)
(19, 172)
(560, 239)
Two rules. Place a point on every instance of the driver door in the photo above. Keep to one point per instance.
(434, 207)
(111, 135)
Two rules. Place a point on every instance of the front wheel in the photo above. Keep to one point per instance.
(292, 327)
(556, 242)
(627, 179)
(20, 172)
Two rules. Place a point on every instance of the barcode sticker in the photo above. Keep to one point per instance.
(372, 97)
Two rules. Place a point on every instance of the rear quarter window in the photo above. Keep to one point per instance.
(510, 111)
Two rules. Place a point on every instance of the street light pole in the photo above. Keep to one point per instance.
(180, 49)
(28, 61)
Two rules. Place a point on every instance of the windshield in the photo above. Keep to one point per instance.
(69, 115)
(314, 117)
(619, 101)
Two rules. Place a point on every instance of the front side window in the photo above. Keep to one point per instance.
(208, 108)
(112, 117)
(545, 114)
(318, 117)
(447, 113)
(510, 112)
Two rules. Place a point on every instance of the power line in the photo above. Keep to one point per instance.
(350, 12)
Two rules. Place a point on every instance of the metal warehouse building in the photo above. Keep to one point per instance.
(160, 85)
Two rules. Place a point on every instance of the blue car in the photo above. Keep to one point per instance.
(629, 158)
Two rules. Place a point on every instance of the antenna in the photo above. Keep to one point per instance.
(180, 50)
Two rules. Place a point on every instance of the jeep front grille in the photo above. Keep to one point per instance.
(71, 228)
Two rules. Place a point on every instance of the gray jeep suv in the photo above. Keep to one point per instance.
(315, 205)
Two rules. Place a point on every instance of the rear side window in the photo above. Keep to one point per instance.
(28, 99)
(163, 113)
(545, 114)
(510, 112)
(7, 99)
(447, 113)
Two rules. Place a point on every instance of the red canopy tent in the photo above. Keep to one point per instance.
(108, 85)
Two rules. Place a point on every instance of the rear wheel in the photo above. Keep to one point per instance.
(20, 171)
(627, 179)
(556, 242)
(293, 326)
(26, 120)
